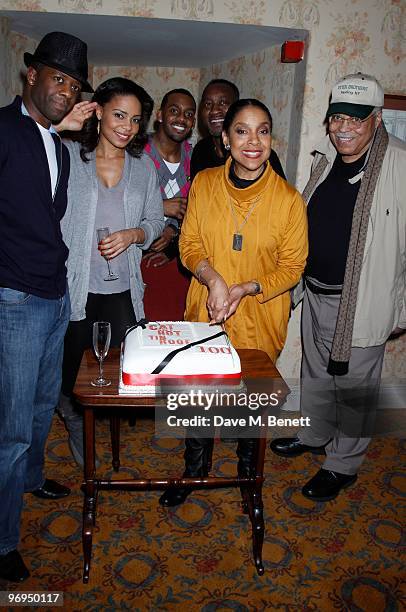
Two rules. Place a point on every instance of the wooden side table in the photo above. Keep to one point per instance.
(254, 364)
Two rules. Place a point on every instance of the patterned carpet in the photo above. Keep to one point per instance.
(342, 555)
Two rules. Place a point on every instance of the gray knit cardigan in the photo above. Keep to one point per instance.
(142, 208)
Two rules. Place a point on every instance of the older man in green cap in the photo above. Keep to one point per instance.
(355, 282)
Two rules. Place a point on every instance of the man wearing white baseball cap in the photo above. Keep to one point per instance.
(356, 95)
(354, 282)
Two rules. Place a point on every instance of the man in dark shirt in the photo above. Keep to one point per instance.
(355, 291)
(34, 304)
(209, 152)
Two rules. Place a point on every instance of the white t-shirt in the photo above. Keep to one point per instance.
(51, 155)
(172, 166)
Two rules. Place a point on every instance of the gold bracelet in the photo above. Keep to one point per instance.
(202, 269)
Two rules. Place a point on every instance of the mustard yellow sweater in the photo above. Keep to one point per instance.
(274, 251)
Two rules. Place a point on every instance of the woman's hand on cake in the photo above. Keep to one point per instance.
(218, 302)
(237, 292)
(119, 241)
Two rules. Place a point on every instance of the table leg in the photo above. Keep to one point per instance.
(258, 525)
(245, 497)
(115, 441)
(258, 529)
(244, 500)
(252, 500)
(90, 487)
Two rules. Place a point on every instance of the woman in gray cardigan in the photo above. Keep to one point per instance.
(112, 184)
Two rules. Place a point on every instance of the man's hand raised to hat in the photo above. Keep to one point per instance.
(75, 119)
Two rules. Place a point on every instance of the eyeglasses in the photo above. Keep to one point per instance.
(352, 121)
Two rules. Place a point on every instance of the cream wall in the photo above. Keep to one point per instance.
(4, 72)
(13, 46)
(344, 36)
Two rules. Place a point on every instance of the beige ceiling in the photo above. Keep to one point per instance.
(129, 41)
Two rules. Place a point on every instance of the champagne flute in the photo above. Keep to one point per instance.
(101, 345)
(102, 233)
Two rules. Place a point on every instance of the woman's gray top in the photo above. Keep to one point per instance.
(110, 214)
(142, 208)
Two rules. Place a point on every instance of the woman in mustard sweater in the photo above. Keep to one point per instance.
(244, 237)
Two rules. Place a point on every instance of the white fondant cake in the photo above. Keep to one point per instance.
(147, 361)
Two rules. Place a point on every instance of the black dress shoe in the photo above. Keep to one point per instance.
(12, 567)
(293, 447)
(174, 497)
(51, 490)
(326, 485)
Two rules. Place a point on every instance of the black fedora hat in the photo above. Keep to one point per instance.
(64, 52)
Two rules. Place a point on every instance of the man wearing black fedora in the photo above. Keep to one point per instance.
(34, 304)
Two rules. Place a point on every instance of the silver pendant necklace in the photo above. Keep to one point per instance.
(237, 236)
(237, 242)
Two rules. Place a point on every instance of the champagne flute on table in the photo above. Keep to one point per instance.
(104, 232)
(101, 345)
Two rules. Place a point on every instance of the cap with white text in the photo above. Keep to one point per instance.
(356, 95)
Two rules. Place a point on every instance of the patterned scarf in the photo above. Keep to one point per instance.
(342, 342)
